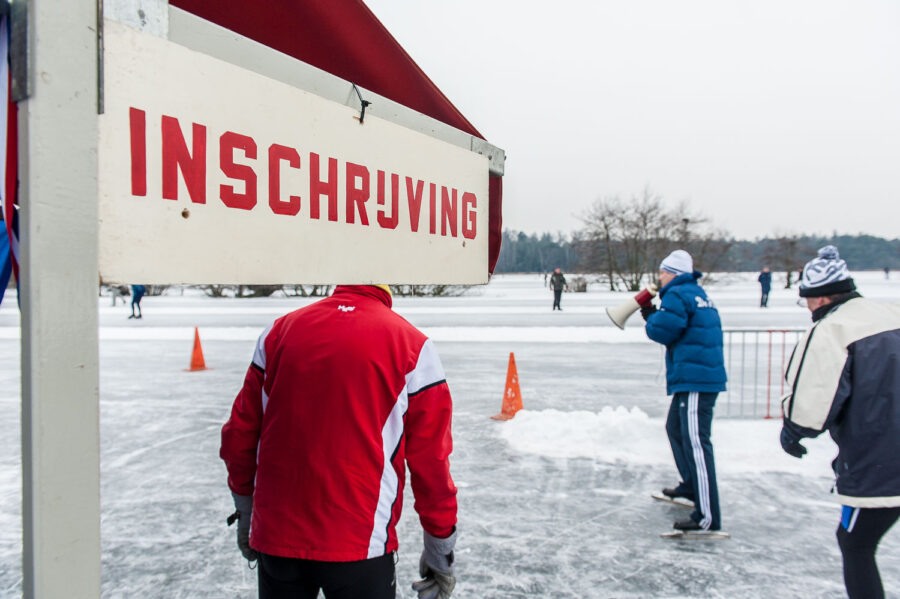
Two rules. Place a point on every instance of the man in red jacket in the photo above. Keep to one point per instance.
(340, 396)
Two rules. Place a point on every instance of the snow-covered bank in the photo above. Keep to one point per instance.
(628, 436)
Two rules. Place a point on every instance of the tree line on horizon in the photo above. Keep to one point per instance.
(624, 241)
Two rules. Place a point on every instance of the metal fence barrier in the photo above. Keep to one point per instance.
(755, 360)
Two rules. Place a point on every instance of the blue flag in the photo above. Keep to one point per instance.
(5, 262)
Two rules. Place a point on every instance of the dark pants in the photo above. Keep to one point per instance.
(764, 300)
(136, 301)
(290, 578)
(557, 295)
(689, 426)
(858, 536)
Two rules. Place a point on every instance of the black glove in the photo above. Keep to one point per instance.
(790, 442)
(243, 505)
(646, 311)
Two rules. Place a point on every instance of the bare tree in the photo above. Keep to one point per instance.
(787, 253)
(626, 240)
(429, 290)
(302, 291)
(624, 237)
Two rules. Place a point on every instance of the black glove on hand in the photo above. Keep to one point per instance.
(646, 311)
(244, 506)
(791, 443)
(436, 568)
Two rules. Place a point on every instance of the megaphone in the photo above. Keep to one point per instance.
(619, 314)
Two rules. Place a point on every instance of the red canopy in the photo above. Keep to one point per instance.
(345, 39)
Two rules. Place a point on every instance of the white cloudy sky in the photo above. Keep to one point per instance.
(770, 116)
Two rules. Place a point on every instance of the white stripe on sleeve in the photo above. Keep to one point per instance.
(428, 369)
(259, 352)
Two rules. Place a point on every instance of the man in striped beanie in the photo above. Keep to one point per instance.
(826, 275)
(843, 378)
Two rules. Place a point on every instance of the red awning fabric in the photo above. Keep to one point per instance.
(344, 38)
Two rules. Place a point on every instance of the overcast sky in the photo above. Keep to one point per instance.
(769, 116)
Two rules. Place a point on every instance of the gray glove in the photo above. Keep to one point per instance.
(436, 568)
(244, 506)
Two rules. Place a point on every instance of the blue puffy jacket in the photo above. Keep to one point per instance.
(688, 324)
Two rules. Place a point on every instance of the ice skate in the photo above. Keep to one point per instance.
(672, 496)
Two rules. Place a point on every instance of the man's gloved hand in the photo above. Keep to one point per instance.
(244, 506)
(646, 311)
(791, 443)
(436, 568)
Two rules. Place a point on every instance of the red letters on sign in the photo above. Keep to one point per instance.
(277, 153)
(317, 187)
(137, 120)
(468, 224)
(414, 199)
(175, 157)
(357, 196)
(432, 212)
(389, 222)
(448, 212)
(228, 142)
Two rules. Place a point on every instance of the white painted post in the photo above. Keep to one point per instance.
(60, 407)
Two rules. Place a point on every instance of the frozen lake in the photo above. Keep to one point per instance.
(554, 503)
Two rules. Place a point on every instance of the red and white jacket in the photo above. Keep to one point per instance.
(338, 395)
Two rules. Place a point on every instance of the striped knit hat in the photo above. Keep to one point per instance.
(825, 275)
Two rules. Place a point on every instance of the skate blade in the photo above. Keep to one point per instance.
(700, 535)
(676, 501)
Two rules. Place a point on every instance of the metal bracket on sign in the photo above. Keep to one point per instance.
(496, 156)
(363, 103)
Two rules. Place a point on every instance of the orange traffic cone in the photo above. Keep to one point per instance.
(512, 395)
(197, 362)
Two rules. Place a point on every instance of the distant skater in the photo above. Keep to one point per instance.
(688, 324)
(765, 283)
(137, 293)
(557, 283)
(843, 379)
(887, 272)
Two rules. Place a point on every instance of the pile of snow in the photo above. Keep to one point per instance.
(629, 436)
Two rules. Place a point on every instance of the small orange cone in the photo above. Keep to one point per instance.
(197, 362)
(512, 395)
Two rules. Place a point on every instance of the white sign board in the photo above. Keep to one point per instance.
(210, 173)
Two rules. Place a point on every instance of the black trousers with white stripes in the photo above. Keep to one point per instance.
(858, 535)
(689, 427)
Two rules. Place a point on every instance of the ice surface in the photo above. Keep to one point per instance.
(554, 503)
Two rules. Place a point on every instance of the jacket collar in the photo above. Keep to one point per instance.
(823, 311)
(688, 277)
(366, 291)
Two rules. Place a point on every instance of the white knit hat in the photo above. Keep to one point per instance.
(826, 274)
(678, 263)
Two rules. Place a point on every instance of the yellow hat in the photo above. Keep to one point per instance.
(386, 288)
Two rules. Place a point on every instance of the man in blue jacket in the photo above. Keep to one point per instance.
(688, 324)
(765, 283)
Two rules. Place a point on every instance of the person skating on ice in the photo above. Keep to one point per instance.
(765, 285)
(688, 325)
(137, 293)
(557, 284)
